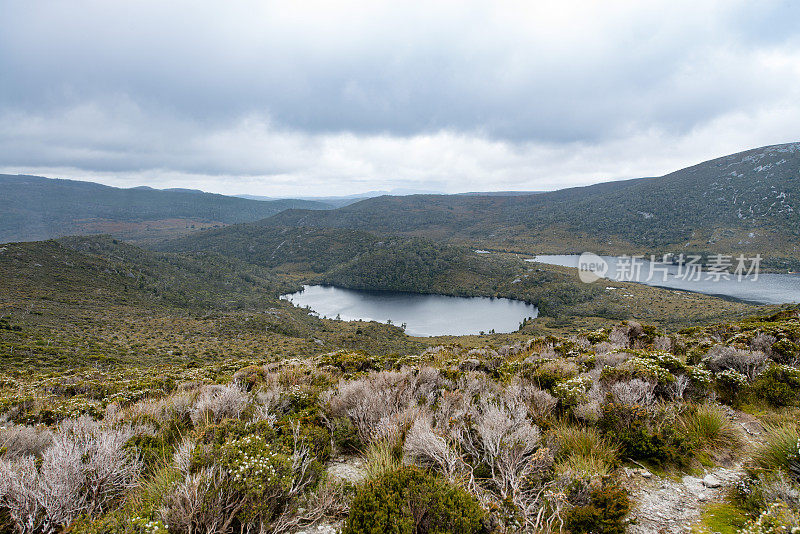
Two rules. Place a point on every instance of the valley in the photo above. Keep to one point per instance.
(522, 397)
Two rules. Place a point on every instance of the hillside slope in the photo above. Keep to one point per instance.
(741, 202)
(34, 208)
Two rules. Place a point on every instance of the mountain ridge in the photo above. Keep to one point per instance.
(743, 202)
(36, 208)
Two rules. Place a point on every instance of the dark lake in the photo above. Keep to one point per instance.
(424, 315)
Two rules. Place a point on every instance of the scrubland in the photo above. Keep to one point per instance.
(548, 434)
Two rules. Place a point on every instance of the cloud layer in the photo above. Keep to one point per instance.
(299, 98)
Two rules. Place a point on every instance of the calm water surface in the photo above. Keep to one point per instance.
(424, 315)
(768, 288)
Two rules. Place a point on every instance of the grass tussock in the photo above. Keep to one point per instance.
(708, 427)
(380, 457)
(583, 451)
(779, 449)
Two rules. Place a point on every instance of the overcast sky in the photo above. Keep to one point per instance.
(316, 98)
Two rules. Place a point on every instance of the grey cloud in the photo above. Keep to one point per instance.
(397, 71)
(355, 95)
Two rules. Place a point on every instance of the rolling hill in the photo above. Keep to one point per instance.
(744, 202)
(34, 208)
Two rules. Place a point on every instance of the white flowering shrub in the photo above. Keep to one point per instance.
(573, 391)
(254, 467)
(777, 519)
(143, 525)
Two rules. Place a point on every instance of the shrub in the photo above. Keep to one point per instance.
(643, 366)
(261, 475)
(762, 342)
(411, 501)
(785, 351)
(249, 483)
(629, 427)
(634, 392)
(350, 362)
(216, 403)
(344, 434)
(373, 402)
(746, 362)
(540, 403)
(605, 513)
(84, 470)
(754, 494)
(777, 519)
(779, 386)
(729, 384)
(17, 441)
(552, 372)
(572, 391)
(249, 377)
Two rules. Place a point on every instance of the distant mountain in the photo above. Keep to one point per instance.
(34, 208)
(346, 200)
(742, 202)
(500, 193)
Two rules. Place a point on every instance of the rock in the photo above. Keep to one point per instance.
(711, 481)
(351, 470)
(628, 471)
(645, 473)
(322, 528)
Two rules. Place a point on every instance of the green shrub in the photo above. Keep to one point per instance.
(411, 501)
(729, 385)
(605, 513)
(552, 372)
(779, 386)
(344, 434)
(785, 350)
(250, 377)
(350, 362)
(630, 428)
(314, 436)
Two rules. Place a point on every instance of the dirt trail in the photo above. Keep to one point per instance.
(664, 505)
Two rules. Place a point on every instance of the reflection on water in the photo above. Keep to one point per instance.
(423, 315)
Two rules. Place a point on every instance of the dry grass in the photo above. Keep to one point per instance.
(779, 449)
(708, 427)
(583, 451)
